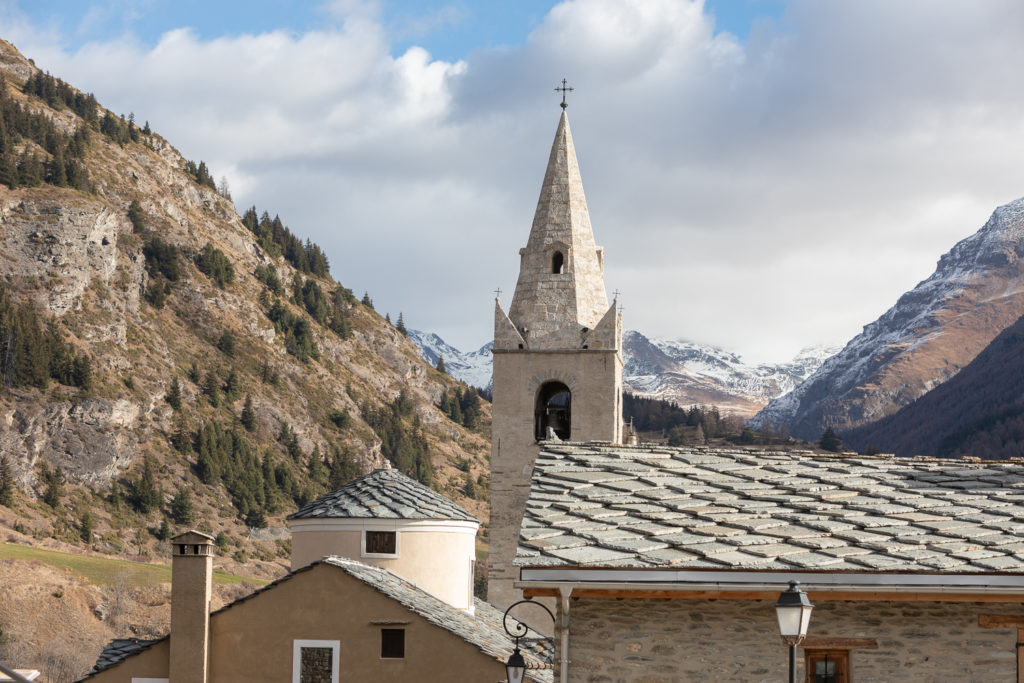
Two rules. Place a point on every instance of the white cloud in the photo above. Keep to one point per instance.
(763, 196)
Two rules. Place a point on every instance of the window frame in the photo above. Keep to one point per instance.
(391, 629)
(297, 646)
(362, 543)
(841, 657)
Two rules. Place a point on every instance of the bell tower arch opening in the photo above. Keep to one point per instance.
(557, 263)
(553, 412)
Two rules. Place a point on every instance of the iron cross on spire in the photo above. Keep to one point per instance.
(564, 89)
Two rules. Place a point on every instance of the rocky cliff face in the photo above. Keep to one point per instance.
(933, 331)
(78, 258)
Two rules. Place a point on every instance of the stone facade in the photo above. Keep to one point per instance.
(664, 641)
(549, 306)
(559, 328)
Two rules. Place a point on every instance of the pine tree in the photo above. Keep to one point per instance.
(212, 388)
(136, 216)
(54, 486)
(85, 527)
(317, 470)
(248, 414)
(232, 387)
(226, 343)
(367, 301)
(146, 495)
(400, 325)
(181, 439)
(440, 365)
(173, 396)
(182, 511)
(830, 441)
(6, 483)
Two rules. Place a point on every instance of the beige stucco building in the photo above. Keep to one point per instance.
(381, 589)
(557, 354)
(334, 620)
(389, 520)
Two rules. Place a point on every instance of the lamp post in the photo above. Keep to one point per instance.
(515, 667)
(794, 613)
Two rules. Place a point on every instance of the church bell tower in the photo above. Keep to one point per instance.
(557, 358)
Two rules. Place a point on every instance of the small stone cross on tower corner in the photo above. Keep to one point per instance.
(564, 89)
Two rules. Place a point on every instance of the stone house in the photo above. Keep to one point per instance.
(666, 563)
(388, 611)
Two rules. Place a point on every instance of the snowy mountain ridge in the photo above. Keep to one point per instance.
(472, 367)
(678, 370)
(924, 339)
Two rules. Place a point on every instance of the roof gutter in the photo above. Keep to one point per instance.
(740, 581)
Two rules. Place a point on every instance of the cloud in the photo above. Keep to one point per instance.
(762, 195)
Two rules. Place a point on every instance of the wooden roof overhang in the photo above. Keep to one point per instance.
(612, 583)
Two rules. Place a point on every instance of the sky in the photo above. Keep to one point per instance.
(764, 175)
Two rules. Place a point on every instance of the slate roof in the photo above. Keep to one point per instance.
(483, 628)
(706, 508)
(118, 649)
(383, 494)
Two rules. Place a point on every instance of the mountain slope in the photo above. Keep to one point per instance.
(933, 330)
(987, 393)
(283, 382)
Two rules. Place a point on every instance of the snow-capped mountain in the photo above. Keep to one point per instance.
(935, 329)
(473, 367)
(687, 373)
(675, 370)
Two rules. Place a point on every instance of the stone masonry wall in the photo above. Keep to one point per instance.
(665, 641)
(595, 379)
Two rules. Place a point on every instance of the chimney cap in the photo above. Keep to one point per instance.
(193, 537)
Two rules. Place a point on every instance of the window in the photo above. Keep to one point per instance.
(315, 661)
(472, 580)
(553, 411)
(557, 262)
(392, 643)
(828, 666)
(380, 544)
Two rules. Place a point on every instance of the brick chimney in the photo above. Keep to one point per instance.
(191, 576)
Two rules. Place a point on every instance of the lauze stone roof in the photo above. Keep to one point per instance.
(384, 494)
(704, 508)
(483, 628)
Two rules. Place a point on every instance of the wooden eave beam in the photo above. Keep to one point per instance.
(1000, 621)
(825, 643)
(815, 596)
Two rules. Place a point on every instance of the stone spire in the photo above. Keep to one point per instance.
(560, 290)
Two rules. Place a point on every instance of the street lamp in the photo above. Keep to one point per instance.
(515, 667)
(794, 613)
